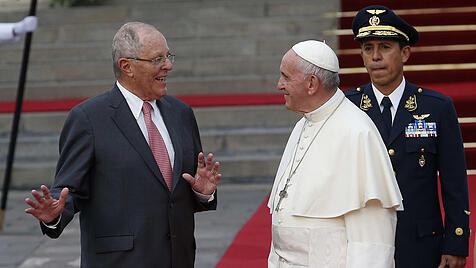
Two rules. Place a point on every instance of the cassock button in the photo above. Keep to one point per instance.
(467, 212)
(391, 152)
(420, 90)
(358, 89)
(433, 233)
(459, 231)
(422, 150)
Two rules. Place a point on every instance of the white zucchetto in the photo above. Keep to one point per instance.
(317, 53)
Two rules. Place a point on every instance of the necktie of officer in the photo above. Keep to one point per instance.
(157, 145)
(387, 115)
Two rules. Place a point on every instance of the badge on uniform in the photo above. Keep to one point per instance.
(365, 102)
(411, 104)
(420, 128)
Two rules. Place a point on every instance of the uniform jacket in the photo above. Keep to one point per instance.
(421, 235)
(128, 216)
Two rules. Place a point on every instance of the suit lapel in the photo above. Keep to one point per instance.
(374, 112)
(172, 122)
(403, 117)
(127, 124)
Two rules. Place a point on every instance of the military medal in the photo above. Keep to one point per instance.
(421, 161)
(421, 128)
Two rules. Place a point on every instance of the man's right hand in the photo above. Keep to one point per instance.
(46, 209)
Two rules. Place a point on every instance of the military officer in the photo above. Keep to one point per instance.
(420, 129)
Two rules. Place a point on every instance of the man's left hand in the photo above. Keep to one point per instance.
(452, 261)
(206, 178)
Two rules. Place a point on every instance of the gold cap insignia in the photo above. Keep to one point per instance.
(467, 212)
(459, 231)
(421, 117)
(374, 21)
(411, 104)
(365, 102)
(376, 11)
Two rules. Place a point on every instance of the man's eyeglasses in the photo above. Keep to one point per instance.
(159, 60)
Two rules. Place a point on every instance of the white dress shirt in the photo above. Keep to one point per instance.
(135, 104)
(395, 97)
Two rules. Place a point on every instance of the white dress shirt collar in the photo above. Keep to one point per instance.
(395, 96)
(135, 103)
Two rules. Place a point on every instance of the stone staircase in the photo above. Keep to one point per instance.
(222, 47)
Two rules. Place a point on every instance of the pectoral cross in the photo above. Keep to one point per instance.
(282, 195)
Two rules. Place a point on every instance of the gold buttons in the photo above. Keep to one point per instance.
(420, 90)
(433, 233)
(459, 231)
(422, 150)
(391, 152)
(467, 212)
(358, 89)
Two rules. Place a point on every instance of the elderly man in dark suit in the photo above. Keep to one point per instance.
(420, 129)
(125, 162)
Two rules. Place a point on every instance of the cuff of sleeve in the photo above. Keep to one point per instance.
(369, 255)
(52, 226)
(456, 245)
(205, 198)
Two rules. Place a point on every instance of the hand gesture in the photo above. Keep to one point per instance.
(206, 178)
(452, 261)
(46, 209)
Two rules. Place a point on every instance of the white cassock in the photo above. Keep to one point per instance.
(341, 202)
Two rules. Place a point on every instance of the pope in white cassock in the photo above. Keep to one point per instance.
(335, 195)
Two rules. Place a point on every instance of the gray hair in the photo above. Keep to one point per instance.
(127, 43)
(330, 80)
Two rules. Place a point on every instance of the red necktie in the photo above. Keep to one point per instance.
(157, 145)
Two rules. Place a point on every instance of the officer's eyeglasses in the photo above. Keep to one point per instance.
(159, 60)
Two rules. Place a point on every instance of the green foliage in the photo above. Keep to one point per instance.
(75, 2)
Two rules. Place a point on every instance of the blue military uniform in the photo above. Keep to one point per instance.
(418, 150)
(424, 140)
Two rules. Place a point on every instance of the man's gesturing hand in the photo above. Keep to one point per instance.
(206, 178)
(46, 209)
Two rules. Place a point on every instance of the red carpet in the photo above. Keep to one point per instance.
(251, 245)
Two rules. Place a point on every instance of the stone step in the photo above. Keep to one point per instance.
(253, 167)
(186, 28)
(46, 53)
(243, 154)
(209, 119)
(101, 70)
(31, 149)
(57, 90)
(168, 10)
(43, 148)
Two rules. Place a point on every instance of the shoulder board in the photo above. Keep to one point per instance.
(431, 93)
(353, 91)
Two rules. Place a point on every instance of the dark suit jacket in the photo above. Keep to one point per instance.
(421, 237)
(128, 216)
